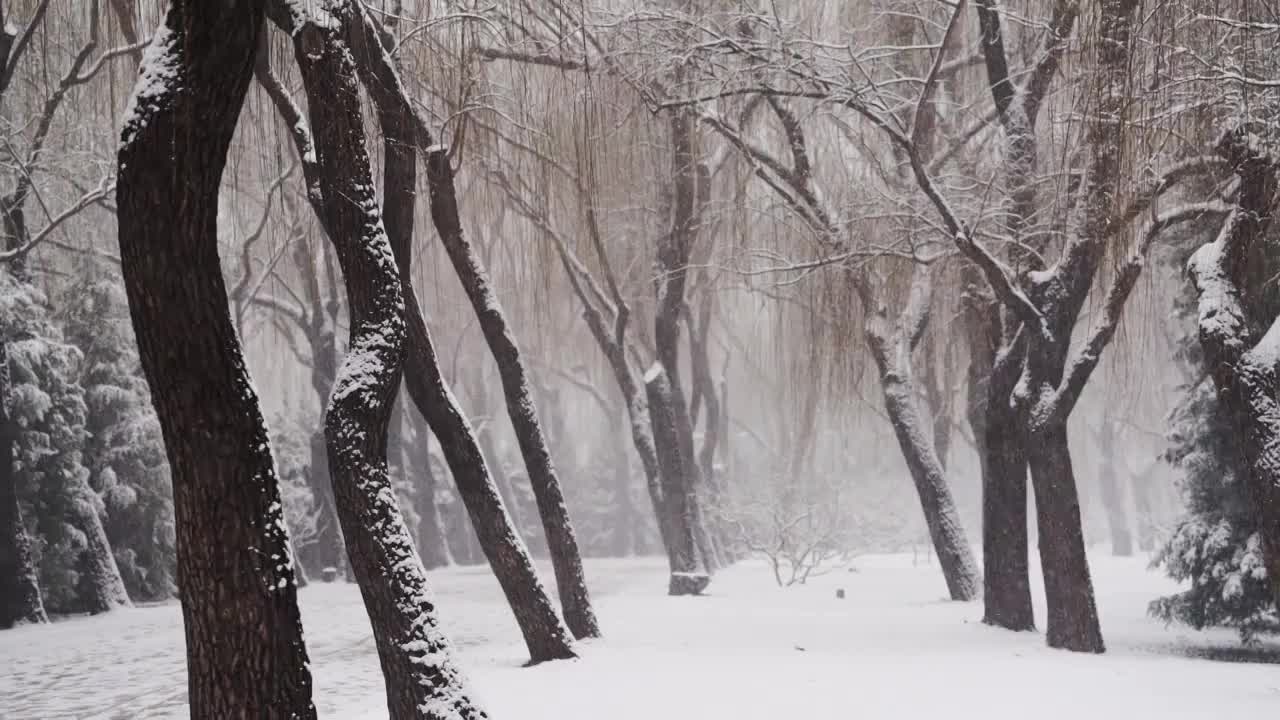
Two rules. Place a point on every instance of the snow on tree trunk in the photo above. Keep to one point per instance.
(421, 677)
(688, 574)
(98, 564)
(1231, 281)
(245, 652)
(891, 350)
(20, 600)
(544, 633)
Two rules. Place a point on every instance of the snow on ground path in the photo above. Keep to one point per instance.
(894, 648)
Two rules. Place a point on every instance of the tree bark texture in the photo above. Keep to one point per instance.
(544, 632)
(245, 652)
(688, 574)
(98, 567)
(421, 678)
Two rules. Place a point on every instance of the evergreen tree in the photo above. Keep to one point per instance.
(1215, 546)
(77, 570)
(124, 451)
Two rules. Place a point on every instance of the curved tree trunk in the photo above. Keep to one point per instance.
(417, 664)
(245, 653)
(892, 350)
(20, 600)
(544, 633)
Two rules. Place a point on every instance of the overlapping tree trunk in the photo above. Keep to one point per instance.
(245, 653)
(417, 664)
(388, 94)
(544, 633)
(891, 348)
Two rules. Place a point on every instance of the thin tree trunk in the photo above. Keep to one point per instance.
(432, 543)
(245, 652)
(417, 664)
(20, 600)
(544, 633)
(566, 559)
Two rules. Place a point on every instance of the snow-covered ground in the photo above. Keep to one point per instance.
(893, 648)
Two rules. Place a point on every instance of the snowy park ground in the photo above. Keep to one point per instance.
(894, 648)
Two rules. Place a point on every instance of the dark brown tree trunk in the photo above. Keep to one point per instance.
(544, 633)
(1072, 616)
(20, 601)
(419, 672)
(1109, 485)
(245, 653)
(566, 559)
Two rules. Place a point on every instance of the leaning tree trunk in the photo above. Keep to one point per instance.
(417, 664)
(544, 633)
(566, 559)
(892, 353)
(20, 601)
(245, 653)
(106, 590)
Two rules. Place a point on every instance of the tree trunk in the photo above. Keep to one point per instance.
(1006, 573)
(433, 547)
(245, 653)
(892, 354)
(417, 664)
(328, 549)
(1112, 498)
(20, 600)
(1006, 570)
(566, 559)
(688, 575)
(98, 567)
(544, 633)
(1072, 615)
